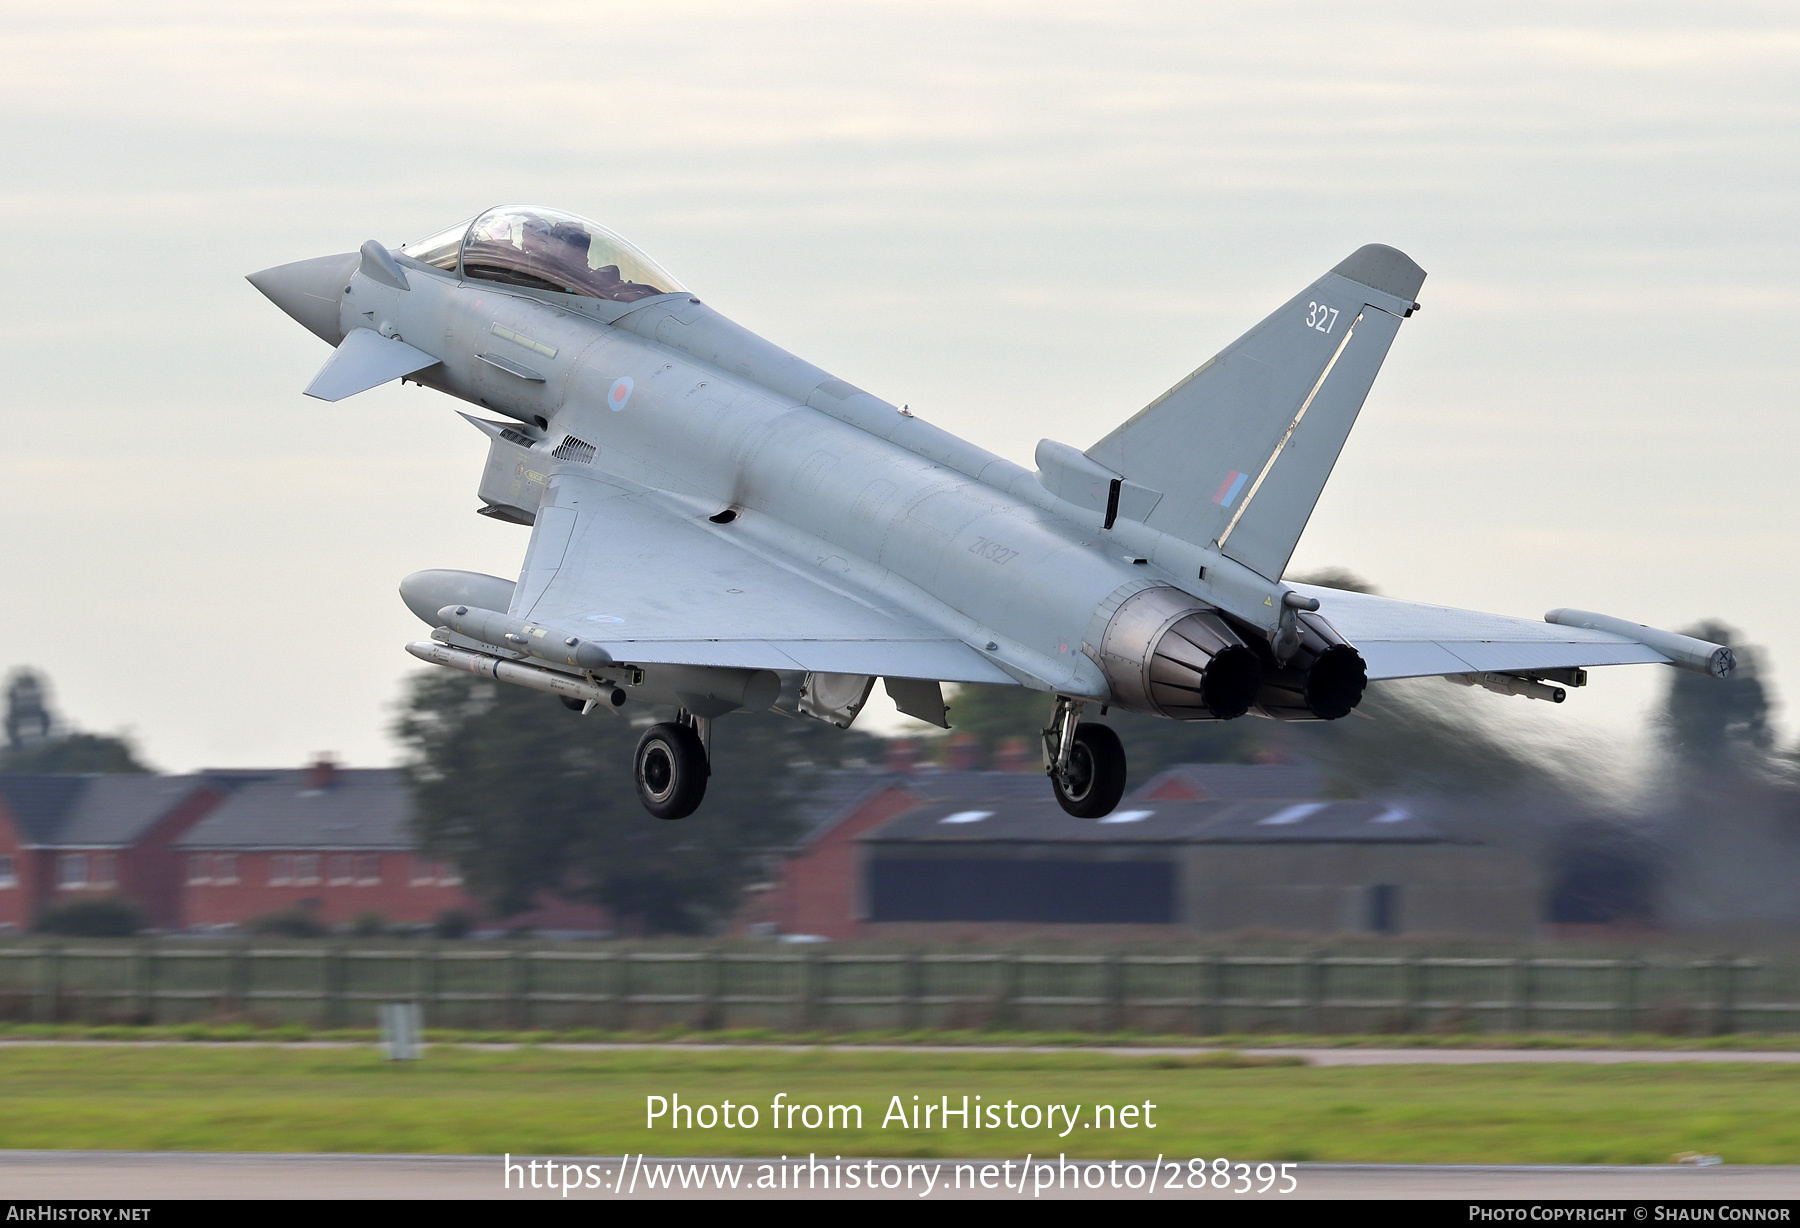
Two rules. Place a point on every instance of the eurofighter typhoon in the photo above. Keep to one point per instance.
(720, 526)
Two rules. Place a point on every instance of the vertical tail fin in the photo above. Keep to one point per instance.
(1241, 449)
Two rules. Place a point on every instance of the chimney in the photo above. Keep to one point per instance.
(322, 772)
(902, 756)
(963, 754)
(1015, 755)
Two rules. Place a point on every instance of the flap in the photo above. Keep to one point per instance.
(1408, 639)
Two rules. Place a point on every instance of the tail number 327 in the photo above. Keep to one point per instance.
(1320, 318)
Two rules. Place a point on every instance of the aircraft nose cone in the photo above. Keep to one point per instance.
(309, 291)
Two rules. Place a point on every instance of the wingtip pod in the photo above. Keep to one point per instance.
(1682, 650)
(1384, 268)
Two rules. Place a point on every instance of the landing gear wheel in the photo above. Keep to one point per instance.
(1095, 780)
(671, 770)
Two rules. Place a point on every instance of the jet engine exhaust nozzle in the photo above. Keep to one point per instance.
(1323, 680)
(1162, 653)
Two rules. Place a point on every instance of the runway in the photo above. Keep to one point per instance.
(1475, 1057)
(1320, 1056)
(112, 1176)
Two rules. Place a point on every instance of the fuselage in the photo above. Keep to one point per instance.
(955, 534)
(636, 402)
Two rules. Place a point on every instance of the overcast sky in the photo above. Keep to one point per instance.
(1022, 219)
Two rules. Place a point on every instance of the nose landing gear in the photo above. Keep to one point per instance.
(1086, 763)
(672, 765)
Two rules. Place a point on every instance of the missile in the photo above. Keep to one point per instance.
(1511, 684)
(602, 695)
(505, 631)
(1682, 650)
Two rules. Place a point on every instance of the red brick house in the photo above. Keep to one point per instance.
(218, 849)
(80, 837)
(331, 840)
(336, 842)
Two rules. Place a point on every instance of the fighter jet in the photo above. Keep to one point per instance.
(719, 526)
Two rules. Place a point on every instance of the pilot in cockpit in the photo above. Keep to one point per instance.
(538, 248)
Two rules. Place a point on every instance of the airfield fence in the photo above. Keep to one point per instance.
(519, 987)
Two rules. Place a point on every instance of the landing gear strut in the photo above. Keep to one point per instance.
(1086, 763)
(672, 764)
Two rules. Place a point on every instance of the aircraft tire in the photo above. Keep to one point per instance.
(1096, 777)
(671, 770)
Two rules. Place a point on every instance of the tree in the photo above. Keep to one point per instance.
(1334, 577)
(1711, 724)
(1728, 816)
(526, 798)
(28, 719)
(107, 917)
(1423, 735)
(75, 753)
(37, 741)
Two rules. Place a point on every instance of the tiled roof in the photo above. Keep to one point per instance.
(91, 811)
(1232, 782)
(1246, 822)
(832, 794)
(38, 804)
(117, 810)
(366, 808)
(973, 787)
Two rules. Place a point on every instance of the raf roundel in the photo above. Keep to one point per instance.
(621, 393)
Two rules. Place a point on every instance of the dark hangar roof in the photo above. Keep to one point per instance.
(1266, 821)
(835, 794)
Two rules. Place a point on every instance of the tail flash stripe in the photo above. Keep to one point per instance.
(1292, 427)
(1228, 489)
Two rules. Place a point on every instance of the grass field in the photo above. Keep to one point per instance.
(216, 1032)
(541, 1102)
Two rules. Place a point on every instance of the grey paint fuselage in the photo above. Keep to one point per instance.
(819, 472)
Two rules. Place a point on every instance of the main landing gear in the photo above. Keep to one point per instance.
(672, 764)
(1086, 763)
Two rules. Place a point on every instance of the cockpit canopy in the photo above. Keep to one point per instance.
(546, 249)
